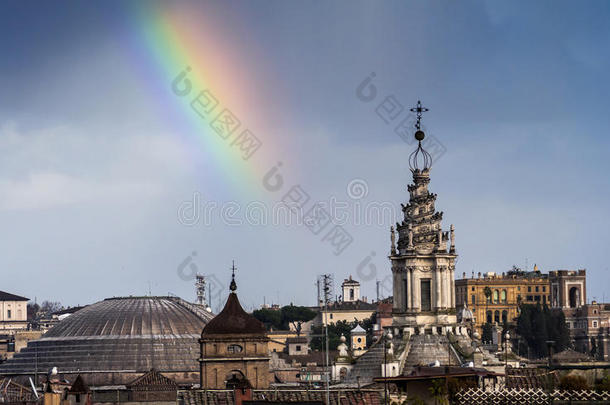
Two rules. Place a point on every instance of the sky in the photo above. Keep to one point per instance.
(142, 142)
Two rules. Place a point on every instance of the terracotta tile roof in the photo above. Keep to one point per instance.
(337, 397)
(153, 380)
(522, 378)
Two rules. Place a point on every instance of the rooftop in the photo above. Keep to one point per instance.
(4, 296)
(233, 320)
(128, 334)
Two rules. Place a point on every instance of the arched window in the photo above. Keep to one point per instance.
(497, 316)
(574, 297)
(503, 296)
(489, 316)
(504, 316)
(234, 349)
(495, 299)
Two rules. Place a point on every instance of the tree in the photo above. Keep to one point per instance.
(272, 318)
(537, 324)
(438, 392)
(49, 307)
(295, 316)
(32, 310)
(573, 383)
(487, 292)
(281, 319)
(335, 330)
(487, 335)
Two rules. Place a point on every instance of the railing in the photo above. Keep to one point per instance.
(527, 396)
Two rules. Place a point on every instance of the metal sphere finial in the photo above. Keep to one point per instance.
(419, 159)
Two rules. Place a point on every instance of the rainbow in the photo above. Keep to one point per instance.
(171, 41)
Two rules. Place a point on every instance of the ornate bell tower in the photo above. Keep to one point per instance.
(423, 264)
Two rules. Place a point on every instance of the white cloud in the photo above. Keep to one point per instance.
(58, 166)
(48, 189)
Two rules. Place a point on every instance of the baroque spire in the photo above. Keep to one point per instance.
(421, 229)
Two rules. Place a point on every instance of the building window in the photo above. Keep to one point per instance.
(537, 298)
(497, 316)
(537, 289)
(488, 316)
(351, 294)
(425, 295)
(569, 325)
(504, 316)
(8, 313)
(472, 288)
(473, 299)
(495, 296)
(503, 295)
(234, 349)
(518, 288)
(529, 289)
(359, 340)
(595, 324)
(530, 298)
(298, 347)
(331, 316)
(543, 289)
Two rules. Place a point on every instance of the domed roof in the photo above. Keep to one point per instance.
(133, 316)
(233, 320)
(131, 334)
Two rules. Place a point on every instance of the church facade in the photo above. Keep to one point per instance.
(423, 260)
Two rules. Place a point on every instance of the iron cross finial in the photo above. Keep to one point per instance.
(233, 285)
(419, 110)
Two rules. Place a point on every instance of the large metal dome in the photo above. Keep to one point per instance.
(115, 340)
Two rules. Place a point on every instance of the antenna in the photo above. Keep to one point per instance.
(378, 283)
(200, 287)
(325, 289)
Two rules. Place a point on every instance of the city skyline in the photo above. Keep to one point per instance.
(105, 157)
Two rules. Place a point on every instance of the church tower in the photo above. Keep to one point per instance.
(423, 262)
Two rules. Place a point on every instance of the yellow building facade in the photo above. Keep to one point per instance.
(506, 293)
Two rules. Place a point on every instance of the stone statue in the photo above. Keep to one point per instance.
(410, 236)
(393, 240)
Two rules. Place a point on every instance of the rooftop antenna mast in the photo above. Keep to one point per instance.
(327, 288)
(200, 287)
(378, 283)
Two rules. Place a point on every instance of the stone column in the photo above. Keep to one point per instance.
(443, 287)
(437, 282)
(396, 289)
(416, 292)
(412, 289)
(452, 287)
(448, 288)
